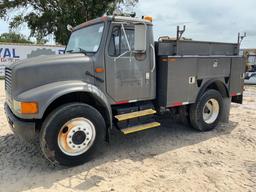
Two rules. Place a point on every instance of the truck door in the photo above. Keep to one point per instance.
(129, 76)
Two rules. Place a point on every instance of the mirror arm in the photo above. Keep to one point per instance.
(128, 44)
(121, 55)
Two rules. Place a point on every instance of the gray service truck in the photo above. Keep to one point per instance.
(114, 75)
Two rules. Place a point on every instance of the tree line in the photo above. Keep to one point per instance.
(50, 17)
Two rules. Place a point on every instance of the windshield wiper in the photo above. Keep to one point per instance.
(82, 50)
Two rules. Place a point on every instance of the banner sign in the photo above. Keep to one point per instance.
(10, 53)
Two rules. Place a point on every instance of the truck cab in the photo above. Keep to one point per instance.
(119, 68)
(113, 75)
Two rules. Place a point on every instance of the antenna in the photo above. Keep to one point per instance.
(180, 31)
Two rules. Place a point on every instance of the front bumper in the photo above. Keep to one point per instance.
(23, 128)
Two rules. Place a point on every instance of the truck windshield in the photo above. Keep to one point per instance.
(86, 39)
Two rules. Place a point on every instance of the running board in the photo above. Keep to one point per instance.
(135, 114)
(140, 127)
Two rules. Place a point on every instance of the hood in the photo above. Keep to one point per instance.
(37, 71)
(46, 59)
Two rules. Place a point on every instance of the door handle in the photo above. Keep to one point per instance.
(154, 58)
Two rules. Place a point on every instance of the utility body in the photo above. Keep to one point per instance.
(113, 75)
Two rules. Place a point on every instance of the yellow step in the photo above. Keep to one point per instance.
(135, 114)
(140, 127)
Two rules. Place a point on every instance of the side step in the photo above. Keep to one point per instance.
(135, 114)
(140, 127)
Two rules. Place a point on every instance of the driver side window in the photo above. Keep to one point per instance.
(118, 43)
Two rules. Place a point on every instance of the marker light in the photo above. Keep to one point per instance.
(148, 18)
(99, 70)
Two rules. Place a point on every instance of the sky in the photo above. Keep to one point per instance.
(207, 20)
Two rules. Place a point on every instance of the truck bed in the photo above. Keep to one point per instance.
(184, 67)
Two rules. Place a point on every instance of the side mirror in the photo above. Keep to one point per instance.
(140, 40)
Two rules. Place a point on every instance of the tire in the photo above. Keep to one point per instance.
(71, 134)
(205, 114)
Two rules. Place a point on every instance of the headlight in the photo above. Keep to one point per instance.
(25, 107)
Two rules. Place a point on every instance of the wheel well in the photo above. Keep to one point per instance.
(83, 97)
(218, 86)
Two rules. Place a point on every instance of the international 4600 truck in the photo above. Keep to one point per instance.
(113, 75)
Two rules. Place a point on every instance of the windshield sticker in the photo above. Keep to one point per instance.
(95, 48)
(100, 29)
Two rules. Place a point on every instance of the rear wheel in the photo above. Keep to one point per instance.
(71, 134)
(206, 112)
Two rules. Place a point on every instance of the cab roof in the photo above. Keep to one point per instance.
(112, 18)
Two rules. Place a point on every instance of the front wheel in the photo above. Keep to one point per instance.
(71, 134)
(206, 112)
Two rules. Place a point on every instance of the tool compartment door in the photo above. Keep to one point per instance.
(180, 80)
(213, 67)
(176, 81)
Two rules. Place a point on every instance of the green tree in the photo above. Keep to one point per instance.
(12, 37)
(45, 17)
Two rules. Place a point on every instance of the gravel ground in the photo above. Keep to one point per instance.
(170, 158)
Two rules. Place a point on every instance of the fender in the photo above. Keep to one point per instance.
(48, 93)
(219, 85)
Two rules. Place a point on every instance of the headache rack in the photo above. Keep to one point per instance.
(180, 46)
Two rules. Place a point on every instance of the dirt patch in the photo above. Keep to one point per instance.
(170, 158)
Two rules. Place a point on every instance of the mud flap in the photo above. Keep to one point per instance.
(226, 110)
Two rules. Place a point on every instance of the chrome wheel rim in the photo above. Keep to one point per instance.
(76, 136)
(211, 111)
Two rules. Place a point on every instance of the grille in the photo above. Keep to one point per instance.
(8, 80)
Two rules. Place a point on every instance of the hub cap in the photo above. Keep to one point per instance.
(76, 136)
(211, 111)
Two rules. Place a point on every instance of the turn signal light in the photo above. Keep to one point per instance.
(29, 108)
(25, 107)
